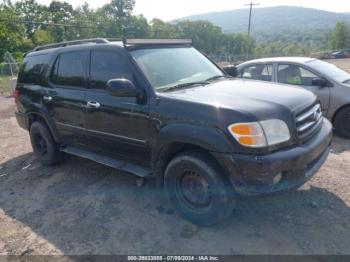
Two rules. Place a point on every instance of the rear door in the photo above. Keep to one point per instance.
(65, 97)
(117, 125)
(298, 75)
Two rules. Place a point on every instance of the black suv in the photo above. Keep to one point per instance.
(161, 109)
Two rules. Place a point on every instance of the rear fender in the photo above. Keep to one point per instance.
(39, 111)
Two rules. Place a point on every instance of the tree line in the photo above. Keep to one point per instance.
(25, 24)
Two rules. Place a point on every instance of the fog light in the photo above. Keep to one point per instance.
(277, 178)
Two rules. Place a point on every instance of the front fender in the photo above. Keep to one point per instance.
(173, 138)
(208, 138)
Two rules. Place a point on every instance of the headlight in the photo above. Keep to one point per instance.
(260, 134)
(276, 131)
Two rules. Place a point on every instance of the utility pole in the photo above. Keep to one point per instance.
(250, 24)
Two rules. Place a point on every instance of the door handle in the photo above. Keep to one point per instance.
(47, 98)
(93, 104)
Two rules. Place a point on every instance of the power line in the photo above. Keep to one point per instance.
(250, 24)
(251, 4)
(99, 26)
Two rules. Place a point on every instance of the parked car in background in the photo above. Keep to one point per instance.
(160, 109)
(339, 54)
(328, 82)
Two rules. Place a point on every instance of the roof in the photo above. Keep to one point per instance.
(125, 42)
(281, 59)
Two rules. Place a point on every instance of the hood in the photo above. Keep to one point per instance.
(247, 95)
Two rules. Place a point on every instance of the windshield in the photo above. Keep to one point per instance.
(167, 67)
(330, 70)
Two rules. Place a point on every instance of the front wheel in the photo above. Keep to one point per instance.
(196, 186)
(342, 123)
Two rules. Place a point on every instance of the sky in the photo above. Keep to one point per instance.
(171, 9)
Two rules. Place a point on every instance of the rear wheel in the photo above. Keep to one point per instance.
(44, 146)
(196, 186)
(342, 122)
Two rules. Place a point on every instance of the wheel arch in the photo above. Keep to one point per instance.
(36, 116)
(338, 110)
(175, 139)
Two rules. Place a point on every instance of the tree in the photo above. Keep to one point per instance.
(340, 36)
(25, 23)
(138, 27)
(33, 13)
(160, 29)
(90, 22)
(206, 36)
(12, 34)
(42, 37)
(61, 13)
(120, 11)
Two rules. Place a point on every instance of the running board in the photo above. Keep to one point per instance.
(109, 161)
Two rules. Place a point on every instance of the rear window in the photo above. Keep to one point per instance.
(261, 72)
(33, 69)
(69, 70)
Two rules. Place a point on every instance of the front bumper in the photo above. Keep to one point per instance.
(279, 171)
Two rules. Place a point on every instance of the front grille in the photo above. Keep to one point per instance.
(308, 121)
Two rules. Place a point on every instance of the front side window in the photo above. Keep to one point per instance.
(69, 69)
(261, 72)
(104, 66)
(295, 75)
(167, 67)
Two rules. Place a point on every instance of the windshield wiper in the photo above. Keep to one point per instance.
(217, 77)
(346, 81)
(185, 85)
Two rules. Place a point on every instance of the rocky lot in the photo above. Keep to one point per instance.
(81, 207)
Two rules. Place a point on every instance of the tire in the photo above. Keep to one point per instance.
(197, 188)
(43, 144)
(342, 122)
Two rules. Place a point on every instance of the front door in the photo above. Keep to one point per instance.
(300, 76)
(115, 125)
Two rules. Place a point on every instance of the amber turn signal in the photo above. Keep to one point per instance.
(248, 134)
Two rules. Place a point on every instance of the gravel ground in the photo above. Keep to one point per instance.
(342, 63)
(81, 207)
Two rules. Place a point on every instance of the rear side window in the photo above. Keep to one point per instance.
(258, 72)
(33, 69)
(104, 66)
(69, 69)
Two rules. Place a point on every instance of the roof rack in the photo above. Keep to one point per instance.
(70, 43)
(128, 42)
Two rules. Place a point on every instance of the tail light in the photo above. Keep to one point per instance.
(16, 95)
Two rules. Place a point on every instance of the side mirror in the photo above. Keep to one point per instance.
(319, 81)
(231, 70)
(121, 87)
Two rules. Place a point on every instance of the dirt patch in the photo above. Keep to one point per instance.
(341, 63)
(81, 207)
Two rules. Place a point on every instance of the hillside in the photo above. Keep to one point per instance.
(297, 22)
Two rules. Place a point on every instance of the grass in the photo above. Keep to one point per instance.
(4, 84)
